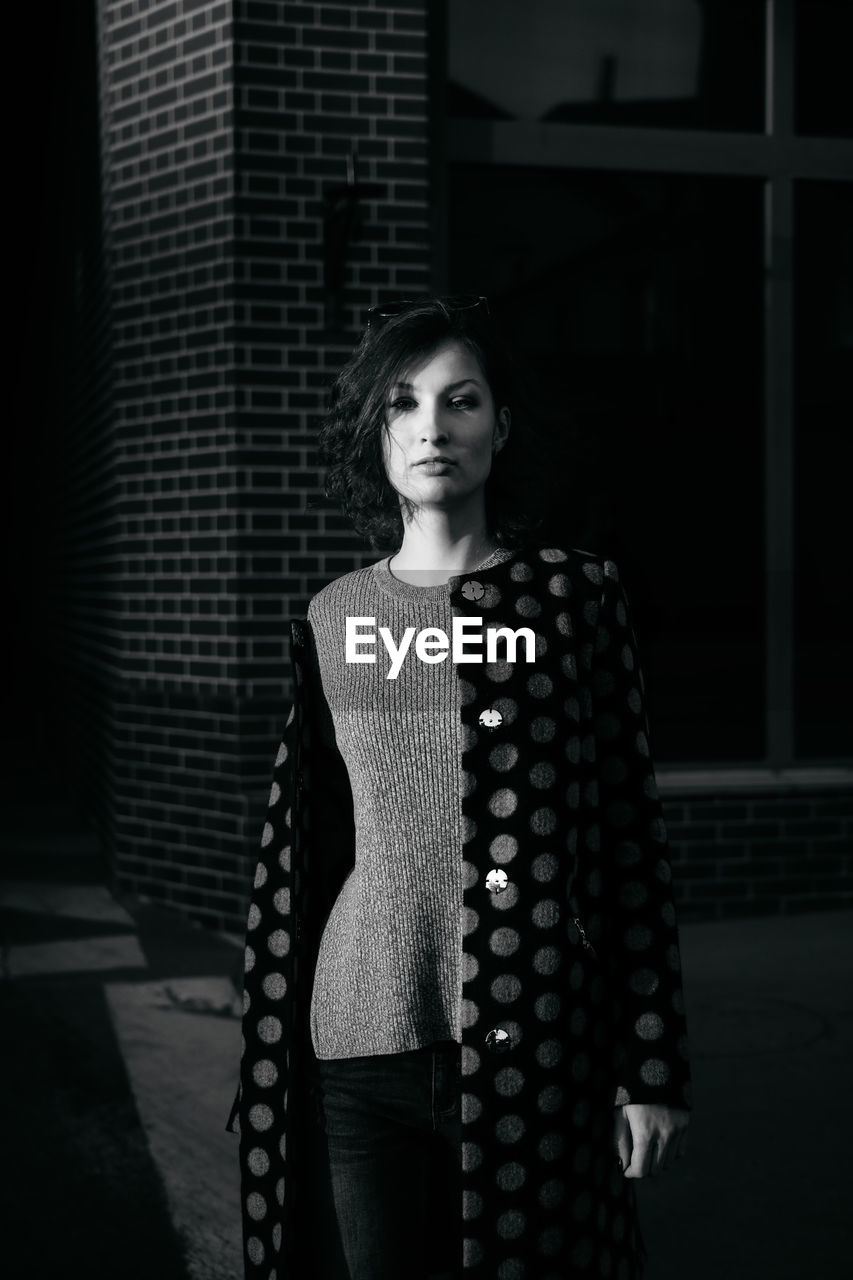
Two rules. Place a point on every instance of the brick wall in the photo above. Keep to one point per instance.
(761, 854)
(194, 529)
(314, 84)
(166, 100)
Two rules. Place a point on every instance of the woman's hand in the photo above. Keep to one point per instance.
(649, 1137)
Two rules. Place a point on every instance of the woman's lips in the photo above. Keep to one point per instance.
(434, 468)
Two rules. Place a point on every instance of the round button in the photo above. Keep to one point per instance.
(473, 590)
(490, 719)
(498, 1040)
(497, 880)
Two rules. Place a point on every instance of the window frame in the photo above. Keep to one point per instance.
(778, 157)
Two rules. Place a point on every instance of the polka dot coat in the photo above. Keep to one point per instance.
(572, 999)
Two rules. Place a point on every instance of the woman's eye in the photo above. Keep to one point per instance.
(403, 404)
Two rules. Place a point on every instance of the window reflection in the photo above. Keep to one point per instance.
(634, 304)
(659, 63)
(823, 38)
(823, 414)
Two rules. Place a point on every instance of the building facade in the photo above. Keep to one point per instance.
(657, 201)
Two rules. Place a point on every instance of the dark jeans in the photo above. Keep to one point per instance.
(392, 1131)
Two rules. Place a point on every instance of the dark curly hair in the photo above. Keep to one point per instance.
(350, 438)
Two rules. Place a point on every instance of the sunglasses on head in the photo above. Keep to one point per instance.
(467, 304)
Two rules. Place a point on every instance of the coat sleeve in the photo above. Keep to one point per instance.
(258, 1114)
(640, 933)
(330, 849)
(268, 926)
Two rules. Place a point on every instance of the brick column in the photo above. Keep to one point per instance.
(222, 126)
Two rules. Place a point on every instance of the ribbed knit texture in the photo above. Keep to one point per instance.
(388, 975)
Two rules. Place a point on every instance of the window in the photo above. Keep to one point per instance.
(661, 63)
(823, 103)
(823, 472)
(622, 179)
(633, 303)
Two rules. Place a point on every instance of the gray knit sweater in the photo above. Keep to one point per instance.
(388, 977)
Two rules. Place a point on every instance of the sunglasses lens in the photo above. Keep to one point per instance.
(469, 303)
(387, 310)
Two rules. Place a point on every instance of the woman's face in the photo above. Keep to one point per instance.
(442, 408)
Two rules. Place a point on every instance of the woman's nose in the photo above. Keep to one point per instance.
(433, 426)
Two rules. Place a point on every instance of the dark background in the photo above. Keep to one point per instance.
(54, 202)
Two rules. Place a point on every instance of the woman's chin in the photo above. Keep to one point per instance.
(436, 490)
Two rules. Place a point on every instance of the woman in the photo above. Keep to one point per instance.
(462, 943)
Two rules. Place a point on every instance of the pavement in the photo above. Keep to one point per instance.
(121, 1052)
(124, 1028)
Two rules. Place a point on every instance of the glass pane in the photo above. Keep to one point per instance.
(686, 64)
(823, 40)
(823, 408)
(634, 304)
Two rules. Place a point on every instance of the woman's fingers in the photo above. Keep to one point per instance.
(671, 1139)
(635, 1148)
(668, 1153)
(622, 1137)
(642, 1158)
(675, 1139)
(658, 1136)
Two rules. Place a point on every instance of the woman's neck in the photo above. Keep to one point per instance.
(427, 558)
